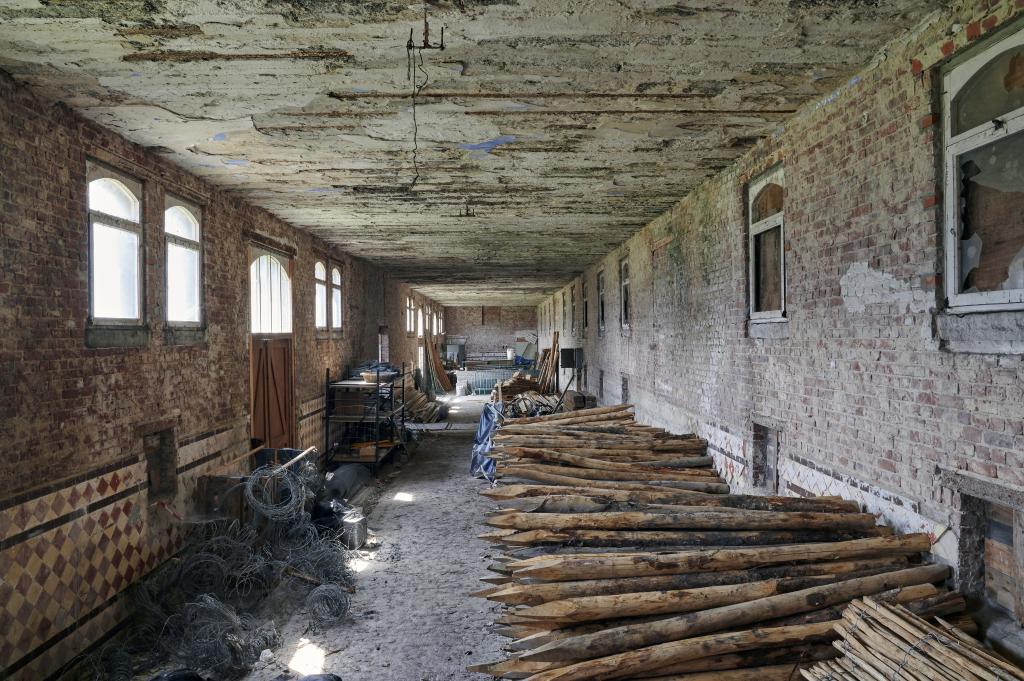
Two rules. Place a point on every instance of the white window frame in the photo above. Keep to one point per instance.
(319, 283)
(600, 303)
(98, 171)
(171, 201)
(773, 176)
(419, 321)
(583, 296)
(625, 300)
(953, 81)
(285, 294)
(410, 316)
(332, 288)
(572, 309)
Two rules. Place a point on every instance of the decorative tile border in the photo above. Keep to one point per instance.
(67, 555)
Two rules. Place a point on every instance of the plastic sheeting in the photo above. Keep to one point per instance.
(483, 466)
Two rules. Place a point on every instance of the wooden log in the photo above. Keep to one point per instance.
(683, 538)
(685, 518)
(804, 654)
(562, 416)
(593, 503)
(692, 474)
(614, 641)
(662, 496)
(778, 672)
(535, 594)
(644, 486)
(565, 568)
(585, 462)
(634, 444)
(640, 604)
(633, 662)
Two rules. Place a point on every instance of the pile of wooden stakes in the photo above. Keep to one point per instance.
(631, 560)
(520, 382)
(419, 407)
(884, 641)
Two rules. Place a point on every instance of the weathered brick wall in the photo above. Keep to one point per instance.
(868, 402)
(489, 330)
(76, 522)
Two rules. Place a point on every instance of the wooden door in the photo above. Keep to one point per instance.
(273, 411)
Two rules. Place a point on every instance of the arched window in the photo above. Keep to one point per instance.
(270, 292)
(335, 298)
(767, 247)
(115, 247)
(983, 102)
(184, 263)
(419, 321)
(320, 275)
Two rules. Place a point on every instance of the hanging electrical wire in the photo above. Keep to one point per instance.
(414, 63)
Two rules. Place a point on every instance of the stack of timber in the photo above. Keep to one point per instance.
(434, 375)
(419, 407)
(520, 382)
(548, 366)
(885, 641)
(624, 556)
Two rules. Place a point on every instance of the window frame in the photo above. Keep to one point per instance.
(96, 170)
(286, 262)
(317, 283)
(172, 201)
(332, 288)
(955, 77)
(601, 319)
(410, 316)
(774, 175)
(586, 316)
(572, 309)
(625, 300)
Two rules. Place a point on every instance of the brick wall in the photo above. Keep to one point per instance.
(868, 402)
(77, 525)
(489, 330)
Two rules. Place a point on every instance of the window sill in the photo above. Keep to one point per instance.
(768, 327)
(184, 335)
(98, 336)
(985, 333)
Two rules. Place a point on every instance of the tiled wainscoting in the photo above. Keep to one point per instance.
(68, 551)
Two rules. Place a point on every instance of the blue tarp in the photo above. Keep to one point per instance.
(483, 466)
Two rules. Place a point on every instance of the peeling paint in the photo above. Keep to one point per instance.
(862, 286)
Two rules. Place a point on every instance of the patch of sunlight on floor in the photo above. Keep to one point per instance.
(308, 658)
(358, 564)
(403, 496)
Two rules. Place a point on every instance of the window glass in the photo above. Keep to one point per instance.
(182, 283)
(115, 272)
(110, 196)
(180, 222)
(336, 298)
(768, 270)
(320, 297)
(767, 203)
(271, 295)
(995, 90)
(992, 216)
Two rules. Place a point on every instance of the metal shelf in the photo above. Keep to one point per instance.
(382, 404)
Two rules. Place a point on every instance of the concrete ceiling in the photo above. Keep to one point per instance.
(564, 126)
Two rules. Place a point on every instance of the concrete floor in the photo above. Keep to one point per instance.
(411, 617)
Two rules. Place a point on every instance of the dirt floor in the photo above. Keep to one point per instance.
(411, 617)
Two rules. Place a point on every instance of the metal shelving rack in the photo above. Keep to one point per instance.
(368, 413)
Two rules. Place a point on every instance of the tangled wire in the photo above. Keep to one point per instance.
(200, 607)
(327, 605)
(268, 482)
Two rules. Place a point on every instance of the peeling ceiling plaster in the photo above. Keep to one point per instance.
(565, 126)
